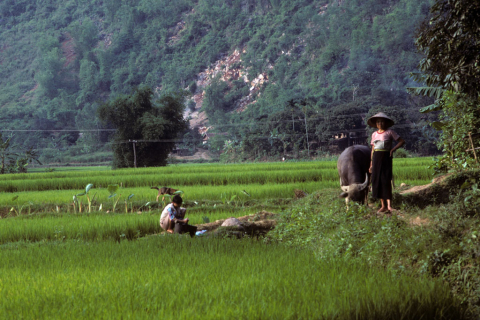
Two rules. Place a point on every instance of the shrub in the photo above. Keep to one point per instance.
(401, 153)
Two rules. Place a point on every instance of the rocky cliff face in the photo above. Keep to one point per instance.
(229, 68)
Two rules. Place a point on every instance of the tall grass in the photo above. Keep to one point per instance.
(172, 277)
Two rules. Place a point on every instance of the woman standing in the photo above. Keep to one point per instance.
(382, 154)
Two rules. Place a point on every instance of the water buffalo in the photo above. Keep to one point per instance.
(352, 167)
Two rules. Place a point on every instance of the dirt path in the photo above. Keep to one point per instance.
(420, 194)
(412, 221)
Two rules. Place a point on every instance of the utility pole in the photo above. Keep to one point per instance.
(306, 129)
(293, 122)
(134, 153)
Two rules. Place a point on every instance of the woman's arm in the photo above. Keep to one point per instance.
(400, 143)
(371, 160)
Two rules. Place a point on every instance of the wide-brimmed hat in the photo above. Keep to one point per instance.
(372, 121)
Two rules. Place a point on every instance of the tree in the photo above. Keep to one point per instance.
(12, 162)
(85, 34)
(459, 118)
(215, 104)
(343, 120)
(5, 154)
(49, 75)
(88, 78)
(153, 125)
(450, 40)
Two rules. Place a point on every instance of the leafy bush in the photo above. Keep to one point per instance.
(460, 116)
(401, 153)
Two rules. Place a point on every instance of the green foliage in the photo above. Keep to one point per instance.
(215, 103)
(450, 40)
(401, 153)
(112, 189)
(151, 126)
(12, 162)
(85, 35)
(49, 76)
(435, 92)
(89, 52)
(460, 116)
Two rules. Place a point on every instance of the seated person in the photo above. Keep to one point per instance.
(173, 218)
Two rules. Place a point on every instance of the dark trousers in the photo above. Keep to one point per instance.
(184, 228)
(382, 175)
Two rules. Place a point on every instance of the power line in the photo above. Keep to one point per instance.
(301, 120)
(55, 130)
(250, 136)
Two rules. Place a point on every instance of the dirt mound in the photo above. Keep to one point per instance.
(426, 186)
(441, 190)
(300, 193)
(254, 224)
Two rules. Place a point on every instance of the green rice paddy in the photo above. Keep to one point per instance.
(64, 260)
(168, 277)
(45, 207)
(200, 182)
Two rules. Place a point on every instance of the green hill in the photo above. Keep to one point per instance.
(344, 59)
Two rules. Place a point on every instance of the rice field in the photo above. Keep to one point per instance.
(200, 182)
(168, 277)
(201, 174)
(107, 259)
(43, 206)
(99, 226)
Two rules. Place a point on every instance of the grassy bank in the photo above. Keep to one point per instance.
(437, 241)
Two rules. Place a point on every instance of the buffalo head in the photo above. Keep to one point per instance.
(356, 191)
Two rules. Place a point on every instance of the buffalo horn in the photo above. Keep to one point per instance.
(365, 184)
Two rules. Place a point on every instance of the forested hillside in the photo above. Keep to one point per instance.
(305, 70)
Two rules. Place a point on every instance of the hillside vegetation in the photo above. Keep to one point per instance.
(307, 67)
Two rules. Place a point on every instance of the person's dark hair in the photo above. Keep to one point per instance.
(177, 199)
